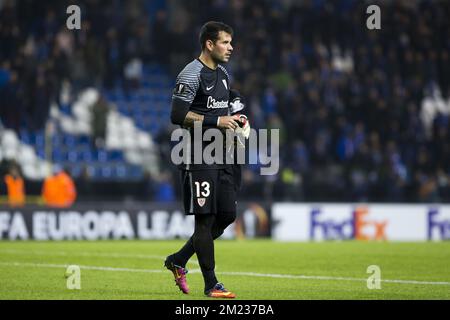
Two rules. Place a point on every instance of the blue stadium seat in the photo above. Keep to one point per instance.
(75, 170)
(25, 136)
(58, 155)
(39, 139)
(40, 153)
(106, 171)
(102, 155)
(65, 108)
(72, 156)
(121, 171)
(115, 155)
(84, 140)
(69, 141)
(57, 141)
(86, 156)
(135, 172)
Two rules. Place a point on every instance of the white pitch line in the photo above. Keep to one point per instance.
(288, 276)
(88, 254)
(250, 274)
(114, 269)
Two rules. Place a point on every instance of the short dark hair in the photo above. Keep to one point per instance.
(210, 31)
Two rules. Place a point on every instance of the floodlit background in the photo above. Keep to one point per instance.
(363, 114)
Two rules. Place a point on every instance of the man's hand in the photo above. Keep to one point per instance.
(229, 122)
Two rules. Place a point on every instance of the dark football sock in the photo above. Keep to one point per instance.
(221, 222)
(185, 253)
(204, 247)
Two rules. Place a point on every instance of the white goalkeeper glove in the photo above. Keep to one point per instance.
(243, 131)
(244, 126)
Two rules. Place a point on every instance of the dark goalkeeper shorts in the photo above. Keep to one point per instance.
(209, 191)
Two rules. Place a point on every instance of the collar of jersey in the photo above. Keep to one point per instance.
(207, 66)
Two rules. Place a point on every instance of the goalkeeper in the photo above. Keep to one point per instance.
(202, 94)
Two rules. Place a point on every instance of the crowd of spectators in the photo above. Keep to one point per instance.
(39, 53)
(363, 114)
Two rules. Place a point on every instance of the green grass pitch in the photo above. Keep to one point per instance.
(253, 269)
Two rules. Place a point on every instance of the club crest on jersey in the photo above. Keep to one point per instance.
(201, 201)
(213, 104)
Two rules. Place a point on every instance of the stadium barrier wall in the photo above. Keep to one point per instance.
(146, 221)
(383, 222)
(282, 221)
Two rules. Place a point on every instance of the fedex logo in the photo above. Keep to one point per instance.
(438, 225)
(346, 225)
(330, 228)
(366, 229)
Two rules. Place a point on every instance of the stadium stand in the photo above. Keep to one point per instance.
(364, 114)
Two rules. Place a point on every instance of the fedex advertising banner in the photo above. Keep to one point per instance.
(396, 222)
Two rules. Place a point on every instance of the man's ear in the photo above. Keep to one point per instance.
(209, 44)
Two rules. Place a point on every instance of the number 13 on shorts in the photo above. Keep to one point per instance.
(202, 192)
(199, 192)
(202, 189)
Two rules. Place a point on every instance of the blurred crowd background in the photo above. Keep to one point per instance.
(363, 114)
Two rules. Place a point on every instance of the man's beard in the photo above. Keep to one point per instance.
(218, 59)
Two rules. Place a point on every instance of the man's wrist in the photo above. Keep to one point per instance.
(211, 121)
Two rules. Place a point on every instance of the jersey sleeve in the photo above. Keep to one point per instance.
(187, 84)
